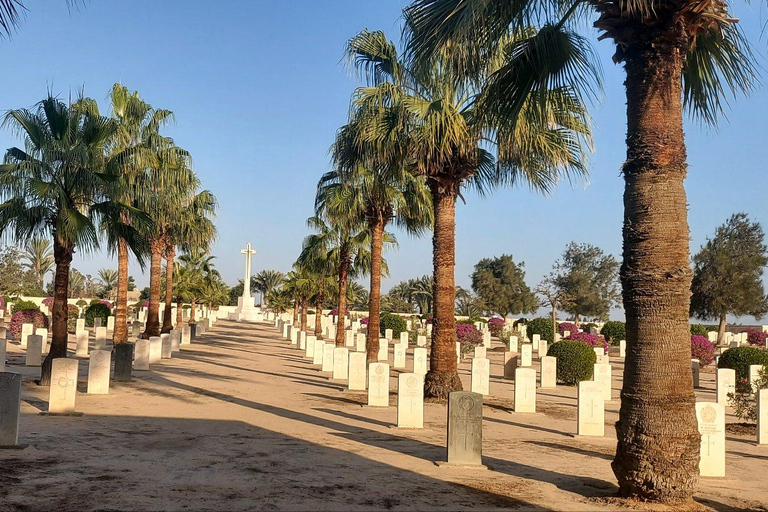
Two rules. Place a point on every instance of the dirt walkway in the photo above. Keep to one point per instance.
(242, 421)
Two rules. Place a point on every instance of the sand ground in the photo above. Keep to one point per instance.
(240, 421)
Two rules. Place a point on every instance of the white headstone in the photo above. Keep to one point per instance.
(695, 370)
(349, 338)
(63, 385)
(599, 351)
(548, 372)
(535, 340)
(622, 348)
(175, 340)
(80, 326)
(591, 409)
(166, 347)
(26, 330)
(513, 344)
(81, 349)
(141, 355)
(486, 339)
(294, 335)
(186, 335)
(754, 375)
(97, 322)
(388, 333)
(711, 419)
(480, 352)
(43, 332)
(340, 363)
(526, 355)
(100, 337)
(725, 383)
(762, 416)
(420, 361)
(400, 354)
(421, 341)
(458, 353)
(525, 390)
(602, 375)
(383, 354)
(98, 372)
(410, 400)
(480, 376)
(110, 323)
(360, 342)
(357, 376)
(317, 355)
(155, 349)
(404, 338)
(10, 404)
(34, 350)
(327, 365)
(309, 349)
(510, 365)
(542, 348)
(378, 385)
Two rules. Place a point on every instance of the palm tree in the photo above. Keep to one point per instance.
(56, 187)
(446, 136)
(279, 300)
(298, 285)
(108, 278)
(39, 256)
(675, 55)
(266, 281)
(196, 273)
(315, 258)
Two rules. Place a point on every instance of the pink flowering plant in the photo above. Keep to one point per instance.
(469, 337)
(702, 349)
(567, 326)
(593, 340)
(35, 317)
(496, 325)
(48, 302)
(757, 338)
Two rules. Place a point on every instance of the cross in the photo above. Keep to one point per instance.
(592, 406)
(247, 282)
(709, 444)
(526, 389)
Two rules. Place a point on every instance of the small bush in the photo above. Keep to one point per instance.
(588, 327)
(96, 311)
(699, 330)
(702, 349)
(519, 322)
(469, 337)
(48, 301)
(394, 322)
(364, 321)
(542, 327)
(81, 303)
(24, 305)
(740, 359)
(593, 340)
(567, 326)
(575, 361)
(614, 332)
(495, 325)
(757, 338)
(744, 401)
(73, 313)
(27, 316)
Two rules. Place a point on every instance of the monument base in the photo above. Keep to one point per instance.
(246, 311)
(444, 464)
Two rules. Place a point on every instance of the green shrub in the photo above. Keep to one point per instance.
(394, 322)
(740, 359)
(24, 305)
(468, 321)
(519, 322)
(97, 310)
(73, 313)
(588, 327)
(542, 327)
(575, 361)
(614, 332)
(699, 330)
(81, 303)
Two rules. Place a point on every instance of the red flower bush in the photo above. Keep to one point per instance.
(702, 349)
(496, 325)
(567, 326)
(48, 302)
(593, 340)
(34, 317)
(757, 338)
(469, 337)
(364, 321)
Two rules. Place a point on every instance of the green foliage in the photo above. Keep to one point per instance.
(575, 361)
(741, 358)
(588, 326)
(500, 283)
(699, 329)
(542, 327)
(394, 322)
(727, 272)
(14, 278)
(589, 277)
(744, 401)
(24, 305)
(73, 313)
(97, 311)
(613, 331)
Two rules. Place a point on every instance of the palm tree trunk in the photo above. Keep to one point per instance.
(120, 334)
(721, 329)
(167, 320)
(344, 264)
(296, 312)
(193, 307)
(62, 253)
(153, 313)
(443, 376)
(179, 312)
(304, 308)
(319, 310)
(554, 321)
(657, 455)
(374, 298)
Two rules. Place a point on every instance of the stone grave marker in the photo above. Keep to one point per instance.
(141, 356)
(480, 352)
(695, 370)
(591, 409)
(388, 333)
(400, 354)
(349, 338)
(542, 348)
(63, 386)
(725, 383)
(10, 405)
(754, 375)
(421, 340)
(81, 348)
(98, 372)
(465, 429)
(166, 347)
(26, 330)
(378, 385)
(34, 350)
(622, 348)
(525, 390)
(294, 334)
(420, 361)
(155, 349)
(80, 326)
(762, 416)
(97, 322)
(599, 352)
(711, 420)
(526, 355)
(383, 354)
(602, 375)
(123, 362)
(548, 372)
(309, 349)
(480, 376)
(317, 355)
(302, 340)
(410, 400)
(327, 365)
(360, 342)
(100, 337)
(43, 332)
(404, 338)
(357, 376)
(513, 344)
(175, 340)
(535, 340)
(510, 365)
(340, 363)
(186, 335)
(110, 323)
(458, 353)
(486, 339)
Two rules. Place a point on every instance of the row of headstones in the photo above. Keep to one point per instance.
(731, 339)
(64, 374)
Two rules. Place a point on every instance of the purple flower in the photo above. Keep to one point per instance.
(593, 340)
(702, 349)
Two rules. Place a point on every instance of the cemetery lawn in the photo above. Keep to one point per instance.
(239, 420)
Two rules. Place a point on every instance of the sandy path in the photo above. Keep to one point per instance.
(241, 421)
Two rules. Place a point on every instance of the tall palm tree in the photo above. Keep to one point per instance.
(56, 187)
(315, 258)
(447, 137)
(197, 272)
(299, 286)
(675, 55)
(266, 281)
(108, 278)
(39, 258)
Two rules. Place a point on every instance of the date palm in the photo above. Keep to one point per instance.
(266, 281)
(676, 55)
(56, 186)
(434, 111)
(108, 277)
(39, 258)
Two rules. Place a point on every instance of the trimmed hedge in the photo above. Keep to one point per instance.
(614, 331)
(542, 327)
(740, 359)
(27, 316)
(394, 322)
(97, 311)
(699, 330)
(24, 305)
(575, 361)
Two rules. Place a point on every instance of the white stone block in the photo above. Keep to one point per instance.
(410, 400)
(591, 409)
(542, 348)
(711, 420)
(399, 357)
(309, 349)
(762, 416)
(166, 348)
(548, 372)
(378, 385)
(100, 338)
(10, 406)
(34, 350)
(43, 333)
(383, 354)
(175, 340)
(357, 374)
(725, 382)
(388, 334)
(526, 355)
(480, 376)
(155, 349)
(340, 363)
(525, 390)
(480, 352)
(110, 323)
(420, 360)
(26, 330)
(622, 348)
(360, 342)
(317, 355)
(327, 365)
(63, 389)
(602, 375)
(98, 372)
(513, 344)
(141, 355)
(421, 341)
(81, 348)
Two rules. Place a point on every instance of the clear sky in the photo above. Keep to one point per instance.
(259, 88)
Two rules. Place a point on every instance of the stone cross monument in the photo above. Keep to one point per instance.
(247, 281)
(246, 311)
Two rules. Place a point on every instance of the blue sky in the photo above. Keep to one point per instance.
(259, 88)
